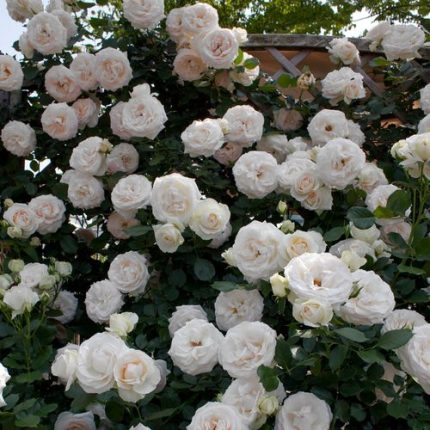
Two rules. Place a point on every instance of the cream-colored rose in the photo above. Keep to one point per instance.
(370, 177)
(343, 84)
(184, 314)
(20, 10)
(188, 65)
(305, 81)
(117, 225)
(20, 299)
(22, 216)
(46, 33)
(318, 200)
(112, 69)
(168, 237)
(326, 125)
(300, 242)
(343, 51)
(11, 75)
(287, 119)
(312, 313)
(18, 138)
(65, 364)
(144, 14)
(199, 18)
(122, 324)
(50, 211)
(69, 420)
(83, 67)
(59, 121)
(87, 111)
(229, 153)
(85, 191)
(217, 416)
(123, 158)
(402, 42)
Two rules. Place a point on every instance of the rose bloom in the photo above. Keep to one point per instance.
(69, 420)
(312, 313)
(25, 47)
(129, 273)
(4, 378)
(85, 191)
(65, 363)
(369, 235)
(20, 299)
(403, 318)
(83, 67)
(318, 200)
(136, 375)
(326, 125)
(46, 33)
(424, 124)
(217, 416)
(59, 121)
(123, 158)
(194, 347)
(287, 119)
(131, 194)
(117, 225)
(199, 18)
(220, 238)
(305, 182)
(293, 168)
(188, 65)
(305, 81)
(248, 75)
(234, 307)
(102, 300)
(359, 247)
(68, 21)
(229, 153)
(402, 42)
(355, 134)
(377, 33)
(247, 346)
(184, 314)
(87, 112)
(202, 138)
(33, 274)
(322, 277)
(174, 24)
(116, 121)
(256, 174)
(256, 250)
(276, 145)
(209, 218)
(22, 216)
(174, 198)
(339, 162)
(113, 69)
(425, 99)
(343, 84)
(20, 10)
(378, 197)
(343, 51)
(18, 138)
(168, 237)
(11, 75)
(303, 411)
(96, 360)
(50, 211)
(370, 177)
(122, 324)
(217, 47)
(300, 242)
(144, 14)
(67, 303)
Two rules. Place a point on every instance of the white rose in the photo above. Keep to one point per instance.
(174, 198)
(83, 67)
(339, 162)
(20, 10)
(174, 24)
(370, 177)
(312, 313)
(291, 169)
(287, 119)
(403, 318)
(359, 247)
(424, 124)
(20, 299)
(256, 174)
(22, 216)
(68, 21)
(112, 69)
(18, 138)
(303, 182)
(378, 197)
(129, 273)
(425, 99)
(377, 33)
(199, 18)
(343, 51)
(218, 416)
(168, 237)
(246, 75)
(144, 15)
(247, 346)
(50, 211)
(247, 394)
(369, 235)
(131, 194)
(67, 303)
(229, 153)
(63, 268)
(65, 364)
(343, 84)
(194, 347)
(117, 225)
(11, 75)
(116, 121)
(241, 35)
(85, 191)
(217, 47)
(122, 324)
(221, 238)
(102, 300)
(6, 281)
(90, 156)
(25, 46)
(164, 373)
(322, 277)
(418, 148)
(373, 303)
(96, 360)
(87, 112)
(188, 65)
(209, 218)
(203, 138)
(4, 378)
(46, 33)
(326, 125)
(59, 121)
(135, 375)
(236, 306)
(276, 145)
(304, 411)
(300, 242)
(256, 250)
(68, 420)
(320, 199)
(16, 265)
(402, 42)
(123, 158)
(355, 134)
(184, 314)
(33, 275)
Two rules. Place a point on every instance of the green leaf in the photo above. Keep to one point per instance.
(204, 269)
(224, 286)
(28, 421)
(286, 80)
(360, 217)
(337, 357)
(251, 63)
(69, 244)
(26, 404)
(397, 409)
(138, 230)
(238, 60)
(334, 234)
(399, 202)
(371, 356)
(28, 377)
(115, 410)
(283, 354)
(351, 334)
(410, 269)
(268, 378)
(422, 249)
(394, 339)
(161, 414)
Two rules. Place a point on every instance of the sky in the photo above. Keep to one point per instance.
(10, 30)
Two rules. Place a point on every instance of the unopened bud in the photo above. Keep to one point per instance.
(14, 232)
(268, 405)
(279, 285)
(288, 226)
